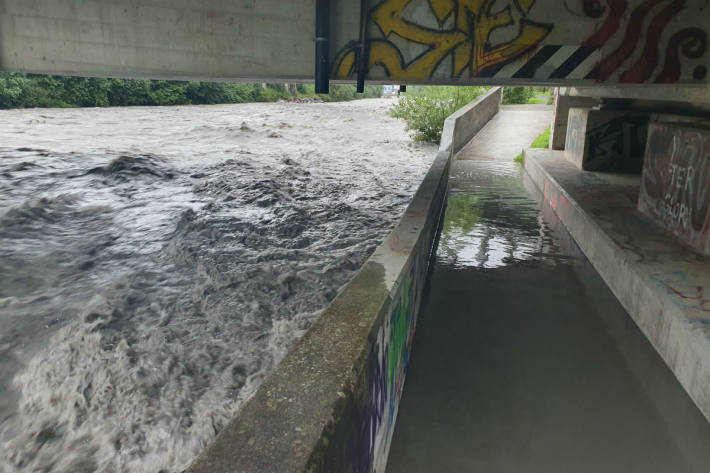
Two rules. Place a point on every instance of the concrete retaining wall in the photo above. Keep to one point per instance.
(462, 125)
(331, 404)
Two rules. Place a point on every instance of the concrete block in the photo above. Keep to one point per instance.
(558, 128)
(606, 140)
(676, 180)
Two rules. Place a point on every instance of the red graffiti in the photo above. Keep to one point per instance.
(643, 46)
(693, 43)
(642, 70)
(702, 301)
(633, 34)
(610, 25)
(557, 200)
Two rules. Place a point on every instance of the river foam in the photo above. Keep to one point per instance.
(158, 262)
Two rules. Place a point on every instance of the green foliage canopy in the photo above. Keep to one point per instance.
(517, 95)
(28, 91)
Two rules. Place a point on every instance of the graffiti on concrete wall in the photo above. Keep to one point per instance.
(685, 290)
(635, 30)
(463, 36)
(675, 186)
(618, 144)
(615, 144)
(628, 41)
(387, 366)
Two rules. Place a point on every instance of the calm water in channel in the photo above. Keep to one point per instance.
(523, 360)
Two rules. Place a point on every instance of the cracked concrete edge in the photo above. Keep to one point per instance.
(308, 414)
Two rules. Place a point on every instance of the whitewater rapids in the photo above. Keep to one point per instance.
(156, 263)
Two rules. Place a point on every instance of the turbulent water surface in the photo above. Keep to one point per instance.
(155, 263)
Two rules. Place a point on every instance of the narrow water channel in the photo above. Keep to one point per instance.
(523, 360)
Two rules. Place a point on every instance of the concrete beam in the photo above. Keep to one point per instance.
(410, 41)
(697, 95)
(162, 39)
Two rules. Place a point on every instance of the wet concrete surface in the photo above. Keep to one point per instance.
(523, 360)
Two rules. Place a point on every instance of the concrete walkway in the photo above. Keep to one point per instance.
(523, 361)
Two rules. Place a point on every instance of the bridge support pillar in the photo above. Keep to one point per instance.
(563, 104)
(606, 140)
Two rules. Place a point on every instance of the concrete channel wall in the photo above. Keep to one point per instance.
(463, 124)
(331, 404)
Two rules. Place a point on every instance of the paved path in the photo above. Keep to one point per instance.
(523, 360)
(515, 127)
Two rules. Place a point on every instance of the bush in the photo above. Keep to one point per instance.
(340, 93)
(425, 109)
(517, 95)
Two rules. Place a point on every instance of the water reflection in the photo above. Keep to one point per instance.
(490, 219)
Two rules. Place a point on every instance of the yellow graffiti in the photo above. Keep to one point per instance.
(467, 41)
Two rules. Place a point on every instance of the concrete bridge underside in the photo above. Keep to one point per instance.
(572, 43)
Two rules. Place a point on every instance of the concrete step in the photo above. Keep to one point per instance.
(663, 285)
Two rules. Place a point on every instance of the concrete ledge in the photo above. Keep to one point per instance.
(331, 404)
(462, 125)
(660, 282)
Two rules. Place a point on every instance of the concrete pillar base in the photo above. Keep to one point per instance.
(558, 129)
(606, 140)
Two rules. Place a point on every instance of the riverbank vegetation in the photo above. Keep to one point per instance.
(29, 91)
(526, 95)
(425, 109)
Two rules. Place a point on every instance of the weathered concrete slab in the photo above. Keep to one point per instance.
(606, 140)
(659, 281)
(676, 181)
(696, 96)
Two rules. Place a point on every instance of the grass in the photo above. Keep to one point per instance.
(538, 98)
(542, 141)
(535, 100)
